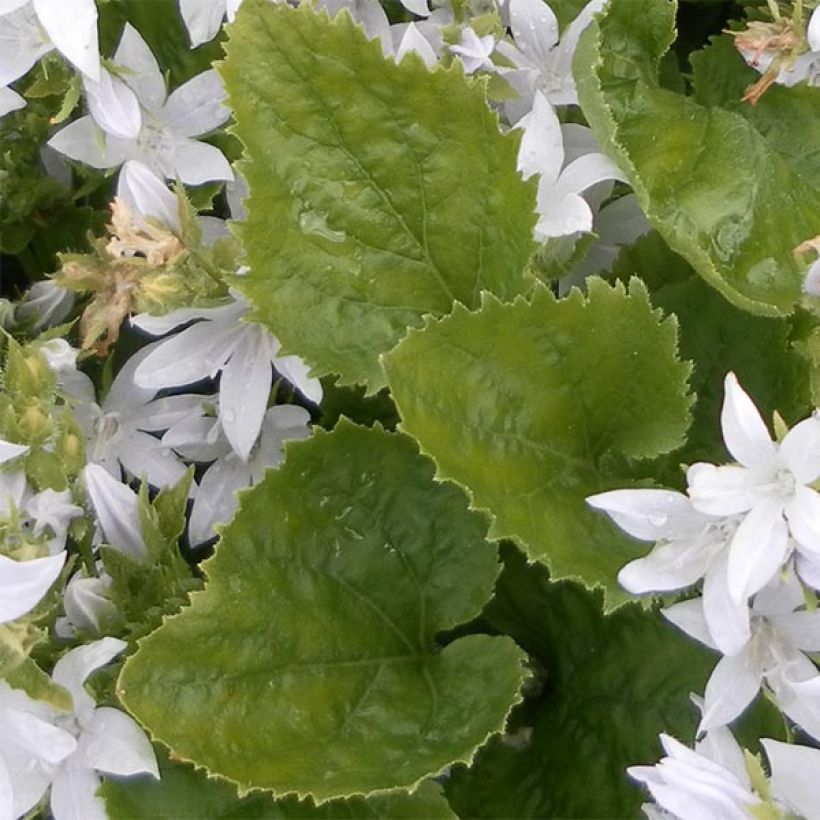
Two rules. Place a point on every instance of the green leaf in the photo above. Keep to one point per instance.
(379, 192)
(718, 337)
(612, 684)
(708, 181)
(533, 406)
(314, 641)
(182, 793)
(788, 118)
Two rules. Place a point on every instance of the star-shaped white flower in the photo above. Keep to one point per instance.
(781, 633)
(542, 62)
(243, 352)
(31, 28)
(770, 487)
(133, 117)
(475, 51)
(41, 746)
(561, 208)
(709, 783)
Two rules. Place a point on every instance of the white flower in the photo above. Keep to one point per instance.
(52, 512)
(794, 774)
(86, 603)
(132, 117)
(28, 30)
(45, 304)
(774, 653)
(215, 501)
(475, 51)
(770, 486)
(542, 63)
(117, 432)
(23, 584)
(203, 18)
(244, 353)
(709, 783)
(561, 208)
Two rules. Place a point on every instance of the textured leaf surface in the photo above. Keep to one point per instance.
(611, 685)
(789, 118)
(717, 337)
(379, 192)
(707, 180)
(185, 794)
(313, 645)
(532, 407)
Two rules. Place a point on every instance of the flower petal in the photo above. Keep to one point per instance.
(800, 699)
(542, 144)
(74, 795)
(758, 550)
(23, 584)
(116, 508)
(83, 141)
(215, 500)
(794, 773)
(813, 32)
(732, 686)
(75, 666)
(722, 490)
(244, 390)
(803, 514)
(669, 566)
(147, 195)
(113, 743)
(196, 107)
(9, 451)
(143, 74)
(194, 162)
(727, 620)
(800, 449)
(589, 170)
(10, 101)
(146, 457)
(202, 19)
(413, 40)
(417, 7)
(744, 431)
(21, 44)
(688, 616)
(294, 369)
(650, 515)
(535, 29)
(114, 106)
(72, 28)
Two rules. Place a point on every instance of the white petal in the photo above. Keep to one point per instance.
(795, 770)
(650, 515)
(202, 19)
(196, 107)
(802, 629)
(8, 6)
(727, 620)
(417, 7)
(113, 743)
(116, 508)
(561, 213)
(669, 566)
(6, 793)
(74, 795)
(413, 40)
(800, 700)
(758, 550)
(125, 396)
(160, 325)
(24, 583)
(194, 162)
(589, 170)
(83, 141)
(244, 389)
(37, 736)
(10, 101)
(297, 373)
(800, 449)
(689, 617)
(9, 451)
(161, 414)
(86, 603)
(284, 422)
(147, 195)
(732, 686)
(803, 514)
(722, 490)
(72, 28)
(143, 74)
(194, 439)
(21, 44)
(146, 457)
(542, 145)
(534, 27)
(198, 352)
(813, 32)
(114, 106)
(808, 568)
(215, 500)
(744, 431)
(75, 666)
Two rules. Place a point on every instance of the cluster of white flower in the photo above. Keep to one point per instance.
(751, 532)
